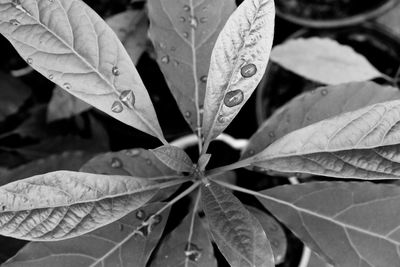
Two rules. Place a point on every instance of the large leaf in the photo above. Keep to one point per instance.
(61, 205)
(117, 244)
(324, 60)
(359, 144)
(183, 34)
(238, 62)
(188, 245)
(174, 157)
(70, 44)
(131, 28)
(238, 234)
(351, 224)
(317, 105)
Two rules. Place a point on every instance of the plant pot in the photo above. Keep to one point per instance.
(331, 13)
(279, 85)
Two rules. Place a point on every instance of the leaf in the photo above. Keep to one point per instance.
(95, 248)
(131, 28)
(351, 224)
(174, 157)
(391, 20)
(359, 144)
(70, 44)
(238, 62)
(13, 95)
(316, 261)
(183, 34)
(238, 234)
(274, 232)
(324, 60)
(63, 204)
(203, 161)
(317, 105)
(177, 250)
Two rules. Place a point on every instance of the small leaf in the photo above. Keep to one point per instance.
(237, 233)
(183, 34)
(274, 232)
(351, 224)
(203, 161)
(391, 20)
(95, 248)
(131, 28)
(61, 205)
(174, 157)
(238, 62)
(317, 105)
(81, 54)
(63, 105)
(188, 245)
(324, 60)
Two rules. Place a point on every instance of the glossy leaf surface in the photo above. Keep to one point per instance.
(324, 60)
(351, 224)
(70, 44)
(238, 234)
(183, 34)
(103, 247)
(238, 62)
(174, 157)
(63, 204)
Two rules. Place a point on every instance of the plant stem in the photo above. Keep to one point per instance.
(192, 219)
(233, 166)
(166, 177)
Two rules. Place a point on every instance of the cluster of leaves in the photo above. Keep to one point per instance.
(113, 212)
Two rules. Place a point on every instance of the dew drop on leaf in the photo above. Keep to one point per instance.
(221, 119)
(251, 152)
(15, 22)
(192, 252)
(273, 228)
(115, 71)
(173, 48)
(275, 243)
(186, 8)
(324, 92)
(157, 219)
(51, 76)
(203, 79)
(3, 207)
(188, 114)
(121, 227)
(203, 20)
(193, 22)
(148, 161)
(185, 34)
(272, 134)
(29, 61)
(67, 86)
(143, 230)
(140, 214)
(182, 19)
(51, 1)
(233, 98)
(165, 59)
(176, 63)
(117, 107)
(163, 46)
(116, 163)
(248, 70)
(133, 152)
(128, 98)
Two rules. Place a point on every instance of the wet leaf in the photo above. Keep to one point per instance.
(174, 157)
(238, 234)
(351, 224)
(203, 161)
(178, 249)
(238, 62)
(391, 20)
(64, 204)
(324, 60)
(95, 248)
(317, 105)
(316, 261)
(183, 34)
(63, 105)
(13, 95)
(81, 54)
(131, 28)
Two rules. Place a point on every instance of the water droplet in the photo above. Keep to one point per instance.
(185, 34)
(275, 243)
(51, 76)
(273, 227)
(117, 107)
(29, 61)
(67, 86)
(15, 22)
(143, 230)
(116, 163)
(173, 48)
(163, 46)
(324, 92)
(149, 162)
(251, 152)
(182, 19)
(115, 71)
(140, 214)
(203, 20)
(188, 114)
(121, 227)
(156, 219)
(51, 1)
(205, 8)
(165, 59)
(233, 98)
(186, 8)
(128, 98)
(3, 207)
(133, 152)
(193, 22)
(313, 91)
(203, 79)
(272, 134)
(221, 119)
(248, 70)
(176, 63)
(192, 252)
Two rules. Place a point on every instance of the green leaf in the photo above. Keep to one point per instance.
(63, 204)
(238, 62)
(274, 232)
(237, 233)
(324, 60)
(203, 161)
(63, 105)
(359, 144)
(188, 245)
(391, 20)
(96, 248)
(183, 34)
(174, 157)
(317, 105)
(316, 261)
(70, 44)
(351, 224)
(131, 28)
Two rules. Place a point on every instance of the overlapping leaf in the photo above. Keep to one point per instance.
(103, 247)
(70, 44)
(183, 34)
(363, 218)
(324, 60)
(65, 204)
(237, 233)
(174, 157)
(238, 62)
